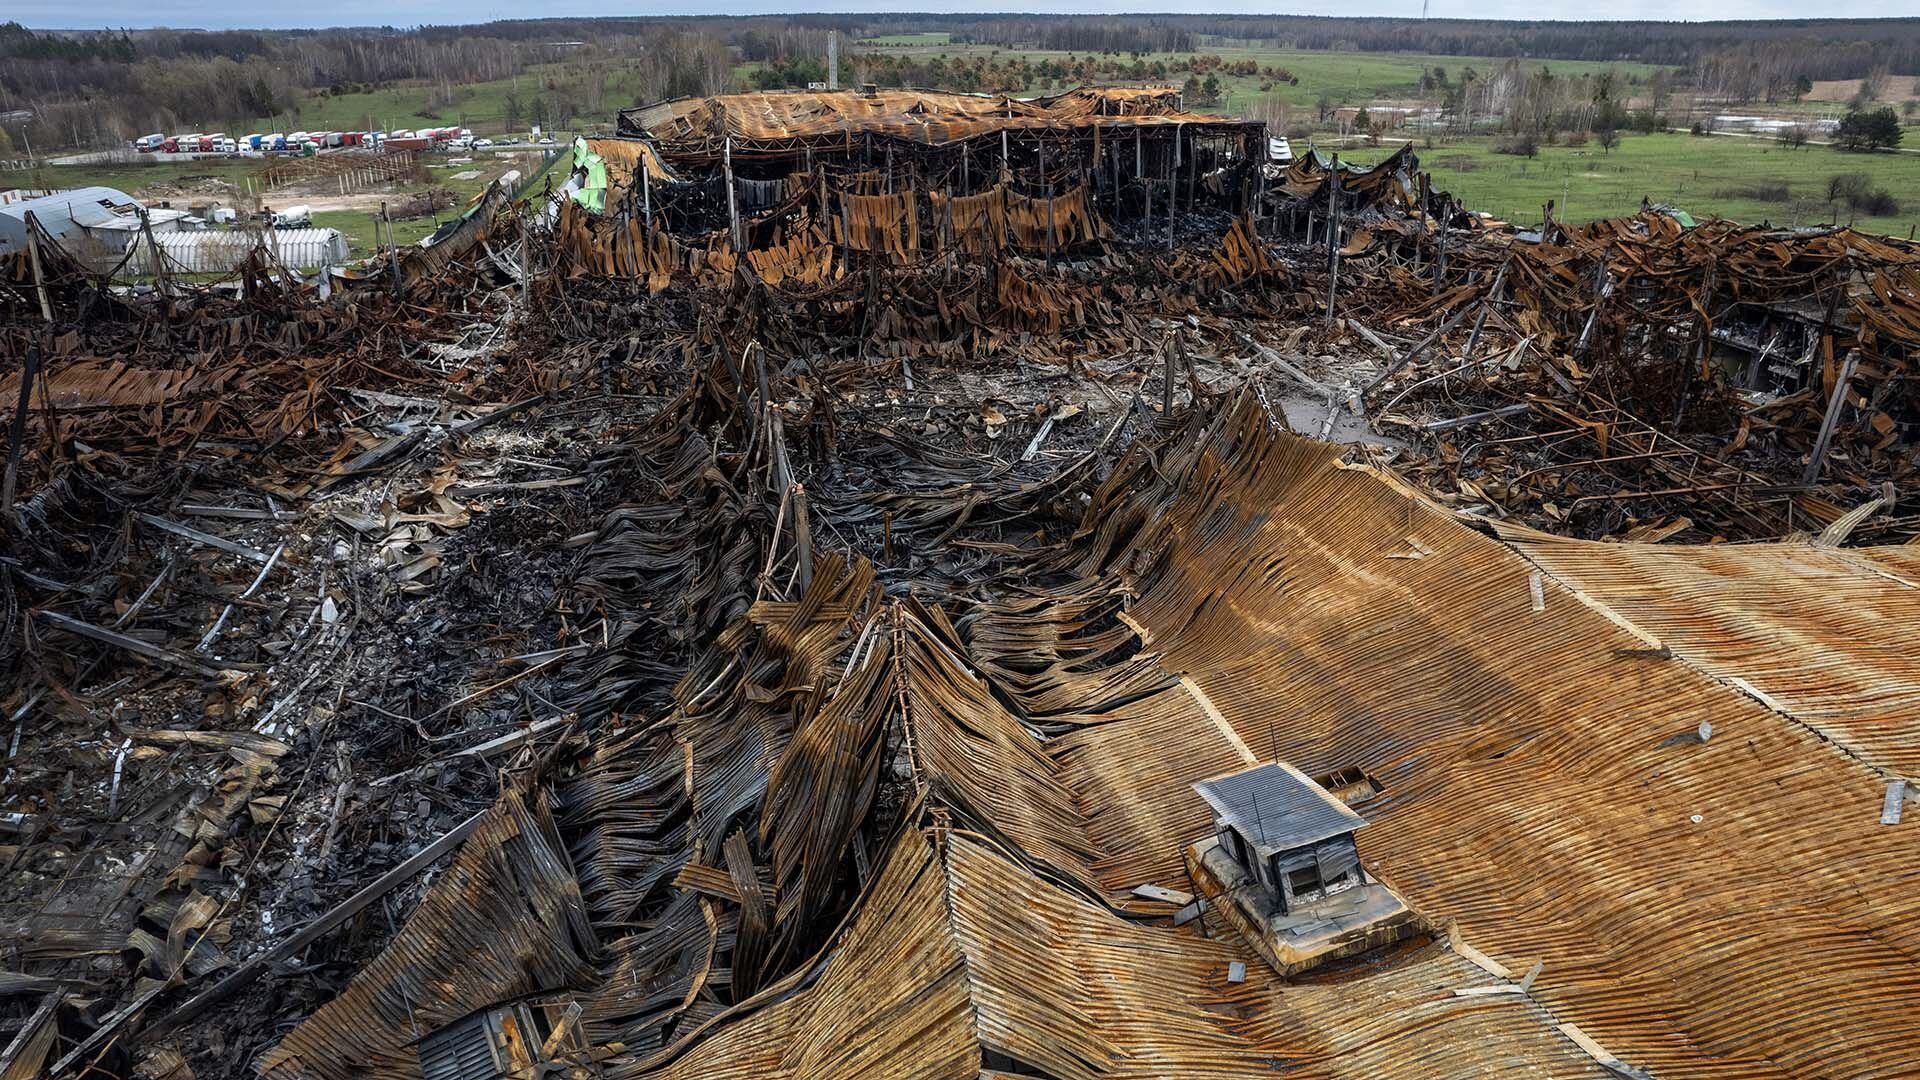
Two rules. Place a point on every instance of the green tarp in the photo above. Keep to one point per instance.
(592, 194)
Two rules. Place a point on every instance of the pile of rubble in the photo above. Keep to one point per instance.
(698, 623)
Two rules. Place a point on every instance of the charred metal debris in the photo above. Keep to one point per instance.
(760, 606)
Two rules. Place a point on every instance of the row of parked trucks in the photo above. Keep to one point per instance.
(302, 141)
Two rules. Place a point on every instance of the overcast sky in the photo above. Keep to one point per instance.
(225, 14)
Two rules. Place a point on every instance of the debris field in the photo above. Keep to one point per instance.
(760, 606)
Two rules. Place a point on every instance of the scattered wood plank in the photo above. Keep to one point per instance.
(1818, 459)
(108, 1030)
(30, 1046)
(466, 426)
(1271, 358)
(1387, 351)
(237, 513)
(218, 543)
(465, 491)
(1414, 353)
(144, 649)
(1475, 418)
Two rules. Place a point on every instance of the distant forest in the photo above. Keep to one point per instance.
(1833, 48)
(73, 88)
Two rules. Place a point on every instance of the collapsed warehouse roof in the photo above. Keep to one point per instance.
(611, 639)
(786, 122)
(698, 164)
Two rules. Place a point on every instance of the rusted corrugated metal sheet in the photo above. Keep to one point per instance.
(1826, 635)
(1542, 781)
(506, 920)
(767, 120)
(961, 956)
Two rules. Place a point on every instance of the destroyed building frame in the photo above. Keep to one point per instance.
(1134, 151)
(778, 654)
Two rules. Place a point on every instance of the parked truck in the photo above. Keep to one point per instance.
(147, 144)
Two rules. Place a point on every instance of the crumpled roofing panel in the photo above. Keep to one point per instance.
(959, 948)
(1541, 782)
(1826, 634)
(892, 1002)
(504, 921)
(626, 157)
(768, 119)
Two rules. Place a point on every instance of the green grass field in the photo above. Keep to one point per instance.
(1343, 77)
(930, 37)
(482, 106)
(134, 176)
(1703, 175)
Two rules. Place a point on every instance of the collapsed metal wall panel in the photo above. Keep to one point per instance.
(504, 921)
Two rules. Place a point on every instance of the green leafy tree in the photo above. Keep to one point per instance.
(1862, 130)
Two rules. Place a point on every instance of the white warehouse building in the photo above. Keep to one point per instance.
(217, 252)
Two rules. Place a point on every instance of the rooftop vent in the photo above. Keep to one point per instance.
(506, 1041)
(1281, 867)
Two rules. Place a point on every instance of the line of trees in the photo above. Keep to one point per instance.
(61, 90)
(1013, 72)
(1832, 48)
(87, 88)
